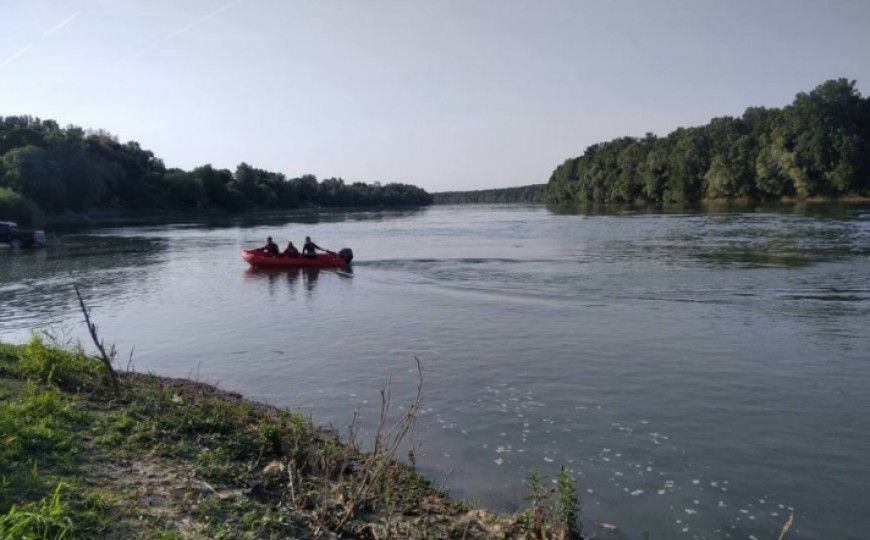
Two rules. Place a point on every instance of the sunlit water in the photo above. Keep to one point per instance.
(702, 373)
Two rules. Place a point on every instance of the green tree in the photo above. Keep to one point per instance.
(18, 208)
(185, 191)
(817, 146)
(32, 171)
(72, 169)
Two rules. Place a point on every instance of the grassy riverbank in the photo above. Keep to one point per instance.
(172, 459)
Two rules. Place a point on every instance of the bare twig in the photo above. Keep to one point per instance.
(443, 485)
(106, 358)
(386, 444)
(290, 482)
(388, 527)
(209, 486)
(351, 448)
(787, 526)
(467, 526)
(130, 367)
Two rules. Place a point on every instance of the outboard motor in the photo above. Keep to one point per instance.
(346, 254)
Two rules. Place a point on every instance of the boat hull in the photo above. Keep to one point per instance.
(322, 260)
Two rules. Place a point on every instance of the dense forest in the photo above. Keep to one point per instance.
(46, 169)
(531, 193)
(819, 146)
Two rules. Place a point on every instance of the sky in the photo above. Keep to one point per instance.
(444, 94)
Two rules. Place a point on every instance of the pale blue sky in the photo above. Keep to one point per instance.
(462, 94)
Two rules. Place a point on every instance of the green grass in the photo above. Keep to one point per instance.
(40, 456)
(242, 470)
(44, 361)
(58, 516)
(166, 535)
(36, 442)
(56, 411)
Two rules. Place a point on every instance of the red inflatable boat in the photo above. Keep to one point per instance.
(258, 259)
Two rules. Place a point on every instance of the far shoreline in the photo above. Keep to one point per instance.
(122, 217)
(141, 218)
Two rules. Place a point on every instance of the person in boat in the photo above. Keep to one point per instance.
(291, 250)
(271, 248)
(309, 247)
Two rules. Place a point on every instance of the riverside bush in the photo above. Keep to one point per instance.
(48, 363)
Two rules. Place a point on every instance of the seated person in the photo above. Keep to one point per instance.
(291, 250)
(271, 248)
(309, 247)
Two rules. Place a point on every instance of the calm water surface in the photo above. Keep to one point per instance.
(702, 373)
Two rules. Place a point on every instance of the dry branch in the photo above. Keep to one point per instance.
(787, 526)
(383, 456)
(106, 358)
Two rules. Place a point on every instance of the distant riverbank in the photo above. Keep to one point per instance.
(537, 193)
(48, 170)
(816, 147)
(123, 218)
(522, 194)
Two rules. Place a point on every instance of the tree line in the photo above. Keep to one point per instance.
(818, 146)
(522, 194)
(47, 169)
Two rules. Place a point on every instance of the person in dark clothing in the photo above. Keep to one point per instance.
(309, 247)
(271, 248)
(291, 250)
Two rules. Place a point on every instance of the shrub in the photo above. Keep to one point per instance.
(18, 208)
(50, 364)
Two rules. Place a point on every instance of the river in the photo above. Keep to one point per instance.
(701, 373)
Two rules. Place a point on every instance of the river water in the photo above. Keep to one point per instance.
(702, 373)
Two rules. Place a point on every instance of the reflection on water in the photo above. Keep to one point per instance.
(293, 278)
(253, 219)
(846, 210)
(702, 372)
(36, 285)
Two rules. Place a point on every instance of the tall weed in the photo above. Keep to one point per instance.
(35, 432)
(48, 363)
(55, 517)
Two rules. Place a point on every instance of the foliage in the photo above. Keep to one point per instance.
(75, 461)
(552, 513)
(819, 146)
(569, 505)
(44, 167)
(523, 194)
(537, 519)
(58, 516)
(35, 437)
(18, 208)
(50, 428)
(33, 172)
(48, 363)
